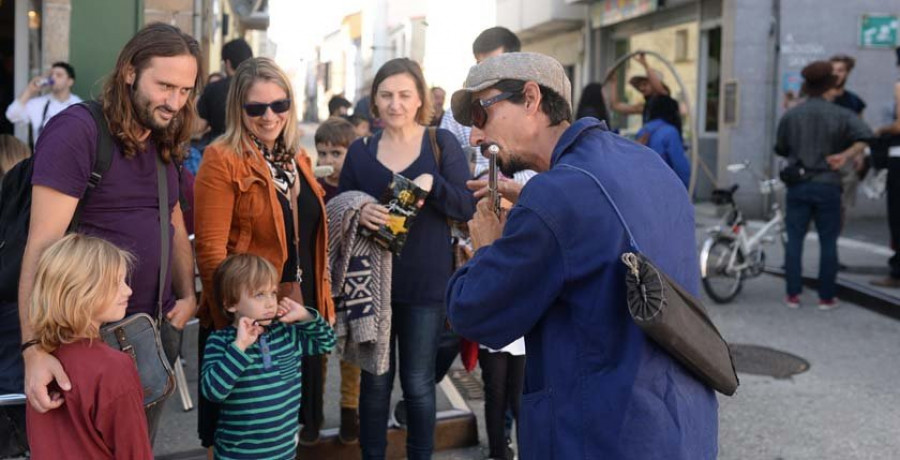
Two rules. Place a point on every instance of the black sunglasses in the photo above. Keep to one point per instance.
(258, 109)
(479, 108)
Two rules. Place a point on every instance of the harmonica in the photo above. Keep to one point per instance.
(493, 191)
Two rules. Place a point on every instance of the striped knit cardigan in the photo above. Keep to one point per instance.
(360, 285)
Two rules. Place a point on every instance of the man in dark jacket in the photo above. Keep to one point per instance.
(595, 385)
(820, 138)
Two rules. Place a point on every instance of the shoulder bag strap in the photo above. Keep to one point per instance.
(631, 240)
(102, 157)
(435, 148)
(163, 190)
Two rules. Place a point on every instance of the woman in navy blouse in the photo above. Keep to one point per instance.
(420, 273)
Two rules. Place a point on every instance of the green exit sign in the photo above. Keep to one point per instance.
(878, 31)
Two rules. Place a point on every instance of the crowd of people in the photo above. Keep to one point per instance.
(828, 148)
(288, 282)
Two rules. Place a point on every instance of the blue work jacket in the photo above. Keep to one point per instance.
(595, 386)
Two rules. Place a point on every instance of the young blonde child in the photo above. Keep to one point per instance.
(80, 285)
(252, 367)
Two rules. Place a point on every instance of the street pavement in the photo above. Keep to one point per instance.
(844, 406)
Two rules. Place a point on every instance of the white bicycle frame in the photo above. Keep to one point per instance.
(749, 244)
(746, 244)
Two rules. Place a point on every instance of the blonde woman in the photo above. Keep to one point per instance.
(255, 193)
(12, 151)
(80, 285)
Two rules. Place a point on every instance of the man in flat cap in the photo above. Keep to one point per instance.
(595, 385)
(818, 138)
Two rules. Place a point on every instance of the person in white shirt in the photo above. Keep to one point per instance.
(36, 109)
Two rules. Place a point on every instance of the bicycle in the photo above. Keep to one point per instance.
(731, 253)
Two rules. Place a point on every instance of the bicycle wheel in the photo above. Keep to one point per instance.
(720, 284)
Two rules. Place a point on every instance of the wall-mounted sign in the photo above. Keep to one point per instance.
(730, 101)
(608, 12)
(878, 31)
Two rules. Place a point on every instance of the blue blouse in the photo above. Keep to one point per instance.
(421, 272)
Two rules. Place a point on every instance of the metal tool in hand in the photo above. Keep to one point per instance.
(264, 349)
(270, 320)
(493, 191)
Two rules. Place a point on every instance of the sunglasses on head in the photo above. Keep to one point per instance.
(258, 109)
(479, 108)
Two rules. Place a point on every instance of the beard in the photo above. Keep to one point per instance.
(143, 110)
(510, 165)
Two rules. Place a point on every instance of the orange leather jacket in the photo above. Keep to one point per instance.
(236, 211)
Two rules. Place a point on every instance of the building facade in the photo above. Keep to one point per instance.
(90, 33)
(735, 61)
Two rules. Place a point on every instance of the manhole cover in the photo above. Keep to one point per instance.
(754, 359)
(470, 386)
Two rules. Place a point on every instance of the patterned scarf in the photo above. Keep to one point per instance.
(281, 164)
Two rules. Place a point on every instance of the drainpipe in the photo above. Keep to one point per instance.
(772, 100)
(198, 20)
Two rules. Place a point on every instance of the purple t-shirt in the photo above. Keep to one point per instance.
(123, 209)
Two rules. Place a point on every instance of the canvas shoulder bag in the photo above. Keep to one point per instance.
(671, 316)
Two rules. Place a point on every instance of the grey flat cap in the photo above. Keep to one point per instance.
(541, 69)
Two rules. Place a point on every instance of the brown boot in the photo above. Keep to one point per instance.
(888, 282)
(349, 432)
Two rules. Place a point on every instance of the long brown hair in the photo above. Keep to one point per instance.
(249, 72)
(154, 40)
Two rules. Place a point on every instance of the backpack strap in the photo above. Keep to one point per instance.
(104, 144)
(102, 157)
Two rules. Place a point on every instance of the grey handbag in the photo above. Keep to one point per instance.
(671, 316)
(138, 335)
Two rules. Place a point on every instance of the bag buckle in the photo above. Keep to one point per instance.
(123, 342)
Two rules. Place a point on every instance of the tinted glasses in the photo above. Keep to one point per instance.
(479, 108)
(258, 109)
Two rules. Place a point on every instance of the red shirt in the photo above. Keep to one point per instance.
(103, 414)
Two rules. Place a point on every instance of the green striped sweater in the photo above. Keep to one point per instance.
(259, 406)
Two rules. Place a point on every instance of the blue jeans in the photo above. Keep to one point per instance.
(415, 330)
(820, 202)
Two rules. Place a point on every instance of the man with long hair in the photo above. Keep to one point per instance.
(148, 103)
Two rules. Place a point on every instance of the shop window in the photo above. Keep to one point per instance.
(326, 76)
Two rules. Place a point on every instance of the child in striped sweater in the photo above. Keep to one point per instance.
(252, 368)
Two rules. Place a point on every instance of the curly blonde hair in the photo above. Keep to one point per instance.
(76, 276)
